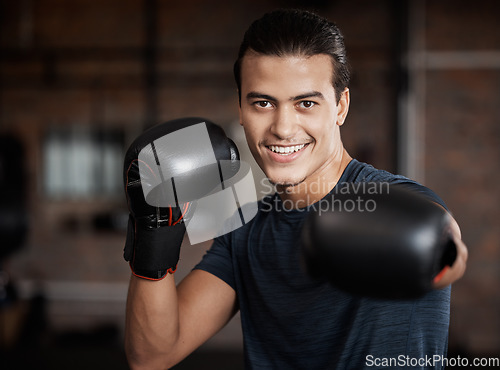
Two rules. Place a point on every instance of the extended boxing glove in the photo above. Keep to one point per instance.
(391, 244)
(166, 169)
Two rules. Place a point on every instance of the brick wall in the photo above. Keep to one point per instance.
(462, 141)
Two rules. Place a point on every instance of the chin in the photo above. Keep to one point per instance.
(285, 182)
(285, 176)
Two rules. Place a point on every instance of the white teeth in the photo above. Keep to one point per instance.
(286, 149)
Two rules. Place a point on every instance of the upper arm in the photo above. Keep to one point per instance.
(206, 304)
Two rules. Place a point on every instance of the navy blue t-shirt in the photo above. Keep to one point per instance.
(291, 321)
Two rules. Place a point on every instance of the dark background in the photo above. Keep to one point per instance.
(83, 77)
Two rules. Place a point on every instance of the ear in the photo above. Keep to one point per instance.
(343, 107)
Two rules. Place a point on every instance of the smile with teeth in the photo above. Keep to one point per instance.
(286, 150)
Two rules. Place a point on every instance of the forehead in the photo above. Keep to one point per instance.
(289, 74)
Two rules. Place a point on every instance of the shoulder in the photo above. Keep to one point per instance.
(358, 171)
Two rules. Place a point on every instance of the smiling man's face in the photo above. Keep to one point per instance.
(291, 117)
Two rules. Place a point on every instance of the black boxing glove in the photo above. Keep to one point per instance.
(388, 245)
(166, 169)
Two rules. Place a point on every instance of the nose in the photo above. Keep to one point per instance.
(285, 123)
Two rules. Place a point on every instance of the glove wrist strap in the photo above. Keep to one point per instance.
(153, 252)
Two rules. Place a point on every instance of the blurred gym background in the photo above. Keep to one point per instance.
(79, 80)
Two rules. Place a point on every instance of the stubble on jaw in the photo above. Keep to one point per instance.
(286, 187)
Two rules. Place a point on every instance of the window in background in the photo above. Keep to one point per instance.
(82, 162)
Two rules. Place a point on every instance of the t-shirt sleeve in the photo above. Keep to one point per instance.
(218, 260)
(426, 192)
(370, 175)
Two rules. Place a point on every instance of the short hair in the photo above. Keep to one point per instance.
(293, 32)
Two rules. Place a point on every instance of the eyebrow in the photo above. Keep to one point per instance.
(311, 94)
(257, 95)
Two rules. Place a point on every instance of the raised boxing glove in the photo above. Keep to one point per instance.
(166, 169)
(390, 245)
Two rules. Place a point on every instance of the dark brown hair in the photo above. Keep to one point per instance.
(296, 32)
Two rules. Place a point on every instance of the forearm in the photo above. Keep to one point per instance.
(457, 270)
(152, 322)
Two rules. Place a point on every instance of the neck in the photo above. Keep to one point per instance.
(316, 186)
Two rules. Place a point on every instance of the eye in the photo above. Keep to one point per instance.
(262, 104)
(306, 104)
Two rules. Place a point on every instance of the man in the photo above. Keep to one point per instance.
(292, 79)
